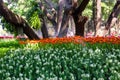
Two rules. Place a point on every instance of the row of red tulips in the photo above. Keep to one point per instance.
(76, 39)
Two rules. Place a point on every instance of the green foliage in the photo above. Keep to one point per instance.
(61, 61)
(28, 9)
(32, 13)
(3, 51)
(88, 10)
(107, 6)
(33, 17)
(8, 26)
(34, 20)
(6, 45)
(9, 43)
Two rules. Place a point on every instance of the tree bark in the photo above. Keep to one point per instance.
(81, 7)
(60, 19)
(66, 18)
(64, 26)
(48, 16)
(67, 11)
(79, 19)
(113, 16)
(79, 25)
(96, 15)
(59, 16)
(17, 21)
(44, 29)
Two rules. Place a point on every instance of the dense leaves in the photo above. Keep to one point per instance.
(6, 45)
(34, 20)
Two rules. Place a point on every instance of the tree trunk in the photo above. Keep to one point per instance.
(44, 29)
(59, 16)
(64, 26)
(79, 19)
(113, 16)
(67, 11)
(79, 25)
(46, 16)
(17, 21)
(96, 15)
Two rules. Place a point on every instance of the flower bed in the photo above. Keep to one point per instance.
(73, 58)
(77, 40)
(66, 61)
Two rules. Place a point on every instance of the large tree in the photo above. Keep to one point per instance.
(68, 11)
(61, 14)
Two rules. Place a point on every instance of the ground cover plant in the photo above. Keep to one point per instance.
(8, 44)
(62, 61)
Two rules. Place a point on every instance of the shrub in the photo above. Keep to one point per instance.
(8, 44)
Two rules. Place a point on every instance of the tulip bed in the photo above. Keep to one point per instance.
(74, 58)
(77, 40)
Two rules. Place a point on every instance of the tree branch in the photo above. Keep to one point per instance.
(17, 21)
(74, 3)
(49, 3)
(49, 16)
(81, 7)
(59, 16)
(44, 29)
(113, 16)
